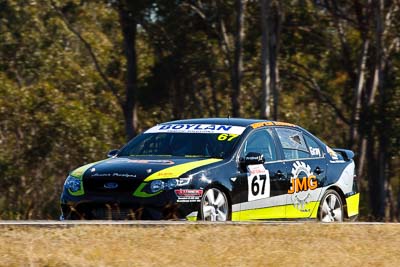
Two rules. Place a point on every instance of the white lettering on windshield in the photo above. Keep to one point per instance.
(196, 128)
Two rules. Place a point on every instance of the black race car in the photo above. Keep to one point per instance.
(216, 169)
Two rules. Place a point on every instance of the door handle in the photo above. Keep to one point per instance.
(318, 170)
(279, 174)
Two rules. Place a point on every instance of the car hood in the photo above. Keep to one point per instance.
(144, 168)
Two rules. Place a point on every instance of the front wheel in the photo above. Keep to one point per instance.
(331, 208)
(214, 206)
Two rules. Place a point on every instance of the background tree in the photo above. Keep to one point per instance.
(271, 20)
(78, 77)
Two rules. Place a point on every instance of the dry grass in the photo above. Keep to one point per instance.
(309, 244)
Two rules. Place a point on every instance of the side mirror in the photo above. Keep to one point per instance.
(112, 153)
(252, 158)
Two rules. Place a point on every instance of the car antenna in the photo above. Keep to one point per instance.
(229, 117)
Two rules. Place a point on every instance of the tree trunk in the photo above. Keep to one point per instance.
(237, 71)
(379, 178)
(398, 204)
(128, 27)
(274, 50)
(390, 210)
(271, 27)
(362, 152)
(355, 136)
(265, 64)
(382, 150)
(358, 89)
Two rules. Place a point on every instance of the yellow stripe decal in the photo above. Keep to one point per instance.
(276, 212)
(352, 204)
(78, 173)
(171, 172)
(139, 193)
(178, 170)
(293, 212)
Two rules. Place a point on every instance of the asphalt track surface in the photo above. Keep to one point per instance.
(61, 224)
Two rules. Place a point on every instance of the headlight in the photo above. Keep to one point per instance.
(168, 184)
(156, 186)
(184, 181)
(171, 183)
(72, 184)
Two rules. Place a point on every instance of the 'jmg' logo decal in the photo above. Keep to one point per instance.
(299, 188)
(302, 184)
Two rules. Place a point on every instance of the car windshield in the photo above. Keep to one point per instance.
(184, 142)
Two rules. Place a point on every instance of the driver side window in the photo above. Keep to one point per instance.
(261, 142)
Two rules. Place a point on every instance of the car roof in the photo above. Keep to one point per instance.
(226, 121)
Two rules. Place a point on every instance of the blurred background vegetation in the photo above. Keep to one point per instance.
(80, 77)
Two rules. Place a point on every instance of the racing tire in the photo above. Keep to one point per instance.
(215, 206)
(331, 207)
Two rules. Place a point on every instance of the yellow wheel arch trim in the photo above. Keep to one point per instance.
(191, 218)
(171, 172)
(352, 203)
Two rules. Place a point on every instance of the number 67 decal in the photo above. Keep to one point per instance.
(258, 182)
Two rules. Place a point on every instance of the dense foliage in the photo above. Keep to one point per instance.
(78, 77)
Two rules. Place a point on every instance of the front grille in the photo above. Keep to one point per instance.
(97, 185)
(114, 212)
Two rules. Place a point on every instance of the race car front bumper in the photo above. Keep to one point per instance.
(164, 206)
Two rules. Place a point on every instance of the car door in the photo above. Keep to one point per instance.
(264, 185)
(305, 167)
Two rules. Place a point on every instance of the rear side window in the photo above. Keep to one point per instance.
(293, 143)
(313, 147)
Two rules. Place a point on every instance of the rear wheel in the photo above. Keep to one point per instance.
(331, 207)
(215, 206)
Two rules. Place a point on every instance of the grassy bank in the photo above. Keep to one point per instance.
(309, 244)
